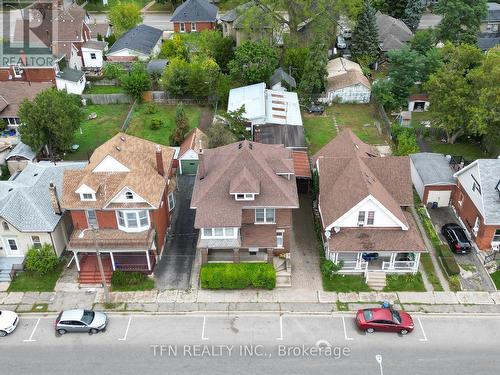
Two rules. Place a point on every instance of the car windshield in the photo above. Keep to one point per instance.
(368, 315)
(396, 317)
(460, 234)
(88, 316)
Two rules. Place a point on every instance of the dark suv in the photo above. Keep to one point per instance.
(456, 237)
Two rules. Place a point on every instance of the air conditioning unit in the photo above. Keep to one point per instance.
(253, 250)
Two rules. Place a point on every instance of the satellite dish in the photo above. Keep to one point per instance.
(336, 229)
(327, 234)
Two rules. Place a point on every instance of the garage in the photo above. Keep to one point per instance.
(441, 197)
(189, 166)
(189, 151)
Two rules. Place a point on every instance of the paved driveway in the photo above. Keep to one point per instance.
(174, 269)
(473, 276)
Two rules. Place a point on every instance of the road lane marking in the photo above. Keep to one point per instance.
(422, 328)
(33, 332)
(124, 338)
(378, 358)
(345, 330)
(203, 329)
(281, 329)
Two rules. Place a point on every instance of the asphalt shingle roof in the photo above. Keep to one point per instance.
(69, 74)
(433, 169)
(280, 75)
(25, 201)
(22, 150)
(141, 38)
(195, 11)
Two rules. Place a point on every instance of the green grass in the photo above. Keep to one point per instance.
(360, 118)
(319, 131)
(131, 281)
(96, 5)
(40, 307)
(140, 123)
(405, 283)
(345, 283)
(157, 7)
(430, 271)
(97, 131)
(33, 282)
(418, 117)
(237, 276)
(230, 4)
(496, 278)
(104, 89)
(470, 151)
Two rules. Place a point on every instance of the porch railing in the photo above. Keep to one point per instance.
(402, 266)
(350, 267)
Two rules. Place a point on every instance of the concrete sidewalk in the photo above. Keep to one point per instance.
(282, 300)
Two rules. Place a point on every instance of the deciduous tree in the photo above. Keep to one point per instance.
(219, 134)
(124, 16)
(136, 81)
(461, 19)
(253, 62)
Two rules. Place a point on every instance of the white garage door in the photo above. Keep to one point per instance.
(442, 197)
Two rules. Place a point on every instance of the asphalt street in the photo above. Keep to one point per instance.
(159, 20)
(257, 343)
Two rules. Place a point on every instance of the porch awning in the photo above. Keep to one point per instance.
(112, 239)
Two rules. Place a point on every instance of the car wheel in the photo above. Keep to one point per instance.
(3, 333)
(370, 330)
(404, 332)
(93, 331)
(61, 331)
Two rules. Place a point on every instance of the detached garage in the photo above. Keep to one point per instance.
(432, 177)
(192, 146)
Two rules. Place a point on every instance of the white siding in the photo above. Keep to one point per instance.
(88, 62)
(353, 94)
(110, 164)
(189, 155)
(70, 86)
(465, 179)
(417, 180)
(23, 240)
(381, 218)
(120, 198)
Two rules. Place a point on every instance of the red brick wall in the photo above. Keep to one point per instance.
(160, 220)
(437, 188)
(200, 26)
(79, 219)
(106, 219)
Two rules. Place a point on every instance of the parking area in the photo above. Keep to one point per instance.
(473, 276)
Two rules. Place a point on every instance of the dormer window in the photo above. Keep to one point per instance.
(245, 197)
(87, 197)
(129, 195)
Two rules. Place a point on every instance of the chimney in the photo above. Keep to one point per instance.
(54, 199)
(201, 166)
(159, 161)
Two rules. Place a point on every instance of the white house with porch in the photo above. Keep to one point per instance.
(363, 206)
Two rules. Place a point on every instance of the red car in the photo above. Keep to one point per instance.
(384, 319)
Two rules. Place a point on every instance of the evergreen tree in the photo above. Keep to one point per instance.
(413, 13)
(181, 126)
(365, 35)
(313, 78)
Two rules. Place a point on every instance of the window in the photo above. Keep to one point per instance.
(361, 217)
(92, 218)
(171, 202)
(5, 225)
(143, 218)
(17, 71)
(129, 195)
(87, 197)
(207, 232)
(12, 245)
(496, 236)
(264, 216)
(193, 26)
(182, 27)
(371, 218)
(133, 220)
(37, 243)
(219, 233)
(121, 219)
(279, 239)
(245, 197)
(92, 56)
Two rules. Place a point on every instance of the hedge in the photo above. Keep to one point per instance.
(237, 276)
(450, 265)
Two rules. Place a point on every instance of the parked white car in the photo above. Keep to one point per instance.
(8, 322)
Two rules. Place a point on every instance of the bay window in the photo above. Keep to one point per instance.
(264, 216)
(133, 220)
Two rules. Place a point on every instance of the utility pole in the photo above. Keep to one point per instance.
(99, 263)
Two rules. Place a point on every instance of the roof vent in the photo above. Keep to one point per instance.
(250, 146)
(118, 148)
(11, 189)
(122, 138)
(36, 174)
(240, 146)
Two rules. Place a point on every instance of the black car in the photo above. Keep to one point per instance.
(456, 237)
(315, 108)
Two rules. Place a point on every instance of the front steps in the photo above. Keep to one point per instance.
(376, 280)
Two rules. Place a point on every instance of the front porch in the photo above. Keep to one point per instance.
(9, 265)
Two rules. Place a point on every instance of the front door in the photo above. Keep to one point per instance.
(12, 247)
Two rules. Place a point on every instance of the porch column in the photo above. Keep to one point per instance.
(148, 260)
(75, 254)
(358, 260)
(417, 263)
(335, 257)
(270, 256)
(392, 261)
(112, 260)
(204, 255)
(236, 255)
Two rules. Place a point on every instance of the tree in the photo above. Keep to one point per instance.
(313, 78)
(136, 81)
(219, 134)
(382, 90)
(217, 47)
(455, 92)
(236, 123)
(41, 260)
(203, 76)
(124, 16)
(461, 19)
(294, 60)
(112, 71)
(423, 41)
(405, 140)
(412, 14)
(394, 8)
(181, 126)
(365, 35)
(253, 62)
(175, 78)
(173, 48)
(50, 120)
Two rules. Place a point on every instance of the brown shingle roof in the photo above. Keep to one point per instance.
(192, 142)
(346, 144)
(258, 235)
(138, 155)
(244, 182)
(347, 79)
(14, 92)
(214, 205)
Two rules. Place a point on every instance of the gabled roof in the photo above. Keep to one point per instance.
(141, 174)
(347, 79)
(392, 32)
(95, 44)
(195, 11)
(433, 169)
(340, 65)
(280, 75)
(493, 13)
(156, 65)
(489, 178)
(196, 140)
(14, 92)
(244, 182)
(485, 42)
(22, 150)
(142, 39)
(100, 28)
(223, 166)
(25, 201)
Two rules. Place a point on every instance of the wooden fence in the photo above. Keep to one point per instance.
(129, 116)
(164, 98)
(108, 98)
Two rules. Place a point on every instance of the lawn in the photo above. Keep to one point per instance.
(405, 283)
(418, 117)
(319, 131)
(97, 131)
(345, 283)
(496, 278)
(104, 89)
(430, 271)
(470, 151)
(96, 5)
(131, 281)
(361, 119)
(141, 120)
(33, 282)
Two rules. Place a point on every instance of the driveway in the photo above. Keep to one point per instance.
(174, 269)
(473, 276)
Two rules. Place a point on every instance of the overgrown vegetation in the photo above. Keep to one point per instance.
(131, 281)
(405, 283)
(237, 276)
(29, 281)
(405, 140)
(41, 260)
(496, 278)
(430, 271)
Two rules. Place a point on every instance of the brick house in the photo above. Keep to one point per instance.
(244, 194)
(126, 194)
(194, 16)
(477, 201)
